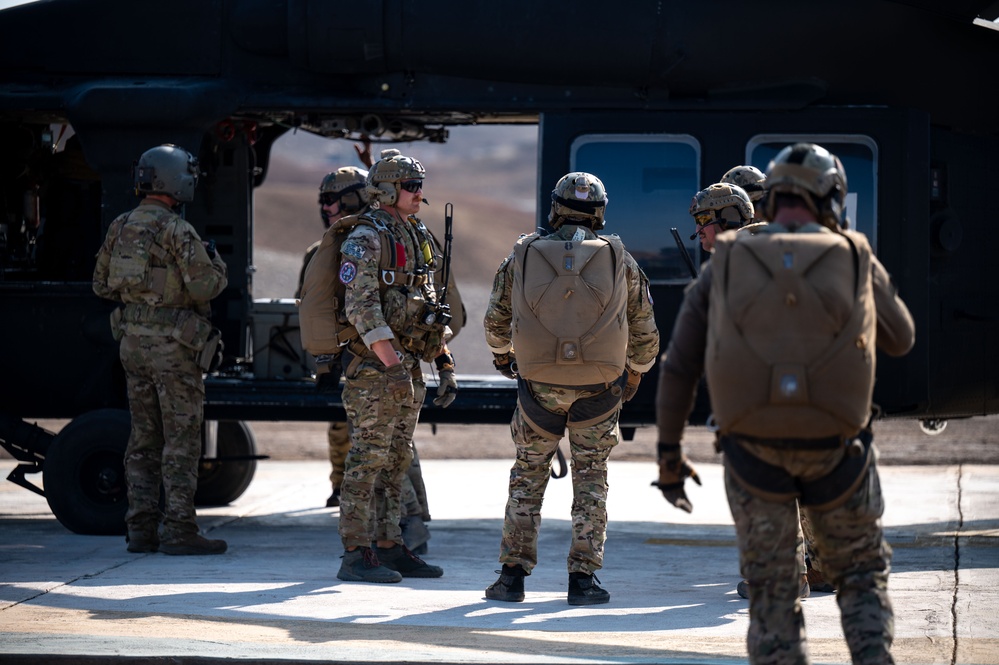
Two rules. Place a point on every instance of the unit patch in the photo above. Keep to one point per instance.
(348, 271)
(352, 249)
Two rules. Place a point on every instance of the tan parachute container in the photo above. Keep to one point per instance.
(321, 319)
(570, 299)
(791, 334)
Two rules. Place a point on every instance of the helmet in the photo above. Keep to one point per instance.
(816, 175)
(578, 197)
(707, 205)
(167, 169)
(750, 178)
(345, 186)
(386, 174)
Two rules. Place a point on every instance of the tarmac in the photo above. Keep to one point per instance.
(274, 596)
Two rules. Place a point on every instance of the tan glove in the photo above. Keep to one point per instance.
(400, 383)
(447, 388)
(674, 469)
(630, 388)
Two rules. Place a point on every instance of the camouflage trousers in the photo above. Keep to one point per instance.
(848, 539)
(381, 452)
(414, 493)
(166, 395)
(589, 447)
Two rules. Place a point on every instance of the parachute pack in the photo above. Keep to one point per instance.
(570, 301)
(324, 326)
(791, 334)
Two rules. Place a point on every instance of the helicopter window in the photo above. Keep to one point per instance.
(649, 181)
(859, 155)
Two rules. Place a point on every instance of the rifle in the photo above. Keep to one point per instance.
(683, 252)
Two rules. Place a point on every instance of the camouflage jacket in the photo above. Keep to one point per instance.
(643, 336)
(181, 275)
(381, 313)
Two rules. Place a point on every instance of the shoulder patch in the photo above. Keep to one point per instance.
(348, 271)
(353, 249)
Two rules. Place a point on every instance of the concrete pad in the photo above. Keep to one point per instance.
(275, 597)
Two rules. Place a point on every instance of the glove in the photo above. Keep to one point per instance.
(673, 470)
(630, 388)
(400, 383)
(505, 364)
(447, 387)
(329, 382)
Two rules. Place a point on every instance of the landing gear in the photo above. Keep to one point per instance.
(932, 426)
(84, 473)
(224, 476)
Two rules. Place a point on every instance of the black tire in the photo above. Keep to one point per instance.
(222, 481)
(84, 473)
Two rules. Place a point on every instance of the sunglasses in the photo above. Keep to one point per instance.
(328, 198)
(412, 186)
(704, 221)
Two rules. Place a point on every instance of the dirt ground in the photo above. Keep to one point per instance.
(966, 441)
(971, 441)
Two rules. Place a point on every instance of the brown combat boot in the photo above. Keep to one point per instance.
(818, 583)
(142, 541)
(193, 544)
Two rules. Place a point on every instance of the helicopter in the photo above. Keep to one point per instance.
(659, 98)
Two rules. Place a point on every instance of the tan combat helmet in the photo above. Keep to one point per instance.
(167, 169)
(751, 179)
(578, 198)
(345, 186)
(816, 175)
(723, 204)
(388, 172)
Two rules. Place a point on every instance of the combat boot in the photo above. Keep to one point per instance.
(818, 583)
(400, 559)
(334, 499)
(362, 565)
(142, 541)
(193, 544)
(510, 585)
(583, 590)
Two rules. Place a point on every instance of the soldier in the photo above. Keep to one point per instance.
(341, 193)
(717, 208)
(388, 268)
(153, 261)
(787, 430)
(568, 376)
(753, 182)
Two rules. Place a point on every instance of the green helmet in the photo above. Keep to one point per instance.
(167, 169)
(751, 179)
(386, 174)
(345, 186)
(816, 175)
(708, 205)
(578, 198)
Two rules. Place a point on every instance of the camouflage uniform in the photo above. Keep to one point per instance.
(165, 385)
(338, 445)
(848, 537)
(589, 446)
(381, 429)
